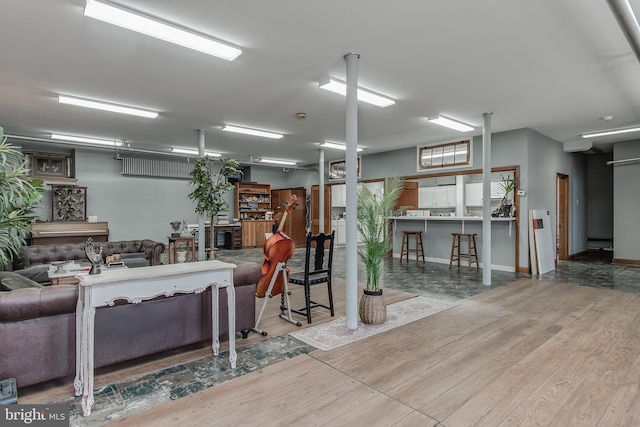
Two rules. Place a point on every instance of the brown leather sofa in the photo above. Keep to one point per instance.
(33, 261)
(37, 326)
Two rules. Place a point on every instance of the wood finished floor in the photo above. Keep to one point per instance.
(58, 390)
(530, 353)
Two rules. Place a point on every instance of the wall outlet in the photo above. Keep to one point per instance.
(521, 193)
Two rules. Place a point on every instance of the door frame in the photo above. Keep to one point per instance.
(562, 216)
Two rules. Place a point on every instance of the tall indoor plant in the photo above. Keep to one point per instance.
(19, 197)
(373, 211)
(211, 187)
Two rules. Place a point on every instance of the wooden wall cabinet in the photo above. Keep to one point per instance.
(253, 200)
(253, 232)
(296, 224)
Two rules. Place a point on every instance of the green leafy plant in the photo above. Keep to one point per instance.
(507, 184)
(211, 187)
(372, 225)
(19, 197)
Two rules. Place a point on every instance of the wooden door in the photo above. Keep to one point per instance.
(315, 215)
(409, 196)
(295, 225)
(562, 216)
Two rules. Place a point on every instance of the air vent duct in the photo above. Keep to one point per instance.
(136, 166)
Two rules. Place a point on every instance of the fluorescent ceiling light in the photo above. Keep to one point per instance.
(340, 88)
(159, 30)
(277, 162)
(71, 138)
(194, 152)
(114, 108)
(336, 145)
(254, 132)
(611, 132)
(450, 123)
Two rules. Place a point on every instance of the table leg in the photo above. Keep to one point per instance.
(78, 382)
(231, 309)
(215, 322)
(88, 318)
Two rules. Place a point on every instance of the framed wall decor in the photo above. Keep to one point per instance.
(68, 203)
(50, 165)
(338, 169)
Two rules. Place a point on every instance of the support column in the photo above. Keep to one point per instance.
(486, 199)
(321, 200)
(201, 232)
(351, 256)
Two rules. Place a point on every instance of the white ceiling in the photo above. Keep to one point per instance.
(554, 66)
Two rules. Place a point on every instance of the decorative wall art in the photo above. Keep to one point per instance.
(49, 166)
(68, 203)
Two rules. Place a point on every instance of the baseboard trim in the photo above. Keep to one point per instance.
(631, 262)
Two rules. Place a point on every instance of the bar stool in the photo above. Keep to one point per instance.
(472, 253)
(418, 250)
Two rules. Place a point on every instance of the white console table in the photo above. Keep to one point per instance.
(136, 285)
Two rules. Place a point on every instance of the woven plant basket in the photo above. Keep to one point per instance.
(372, 310)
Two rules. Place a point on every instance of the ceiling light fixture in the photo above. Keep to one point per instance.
(254, 132)
(277, 162)
(194, 152)
(450, 123)
(336, 145)
(114, 108)
(71, 138)
(141, 24)
(336, 86)
(610, 132)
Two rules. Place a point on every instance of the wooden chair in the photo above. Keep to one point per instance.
(471, 255)
(418, 250)
(317, 269)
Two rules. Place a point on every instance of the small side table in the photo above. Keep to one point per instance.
(190, 245)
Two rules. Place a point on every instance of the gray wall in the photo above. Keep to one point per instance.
(599, 197)
(539, 158)
(546, 158)
(626, 202)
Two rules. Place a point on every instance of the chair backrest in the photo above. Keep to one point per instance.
(320, 253)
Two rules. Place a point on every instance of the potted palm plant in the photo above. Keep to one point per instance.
(18, 199)
(372, 224)
(211, 188)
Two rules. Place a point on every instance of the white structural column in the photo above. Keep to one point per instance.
(321, 200)
(351, 259)
(201, 218)
(486, 199)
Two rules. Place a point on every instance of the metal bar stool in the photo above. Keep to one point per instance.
(472, 253)
(418, 250)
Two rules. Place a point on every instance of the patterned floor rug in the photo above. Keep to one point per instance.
(334, 334)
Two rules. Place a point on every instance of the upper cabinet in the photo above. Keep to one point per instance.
(338, 196)
(437, 197)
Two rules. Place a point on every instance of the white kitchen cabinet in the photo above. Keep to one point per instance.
(340, 228)
(497, 192)
(338, 196)
(473, 194)
(437, 197)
